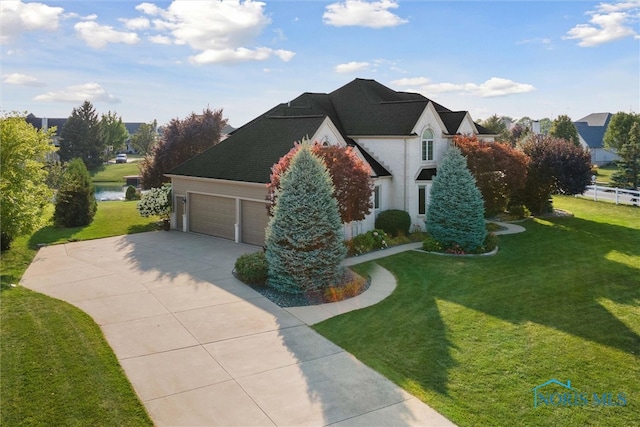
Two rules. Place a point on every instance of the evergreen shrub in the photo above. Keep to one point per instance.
(455, 215)
(304, 238)
(76, 204)
(394, 222)
(252, 268)
(132, 193)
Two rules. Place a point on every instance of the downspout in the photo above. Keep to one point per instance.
(404, 140)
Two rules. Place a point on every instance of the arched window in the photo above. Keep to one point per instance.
(427, 145)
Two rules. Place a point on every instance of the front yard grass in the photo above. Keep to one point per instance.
(473, 336)
(115, 172)
(55, 366)
(604, 174)
(58, 370)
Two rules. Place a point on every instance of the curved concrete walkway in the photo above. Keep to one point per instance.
(382, 282)
(201, 348)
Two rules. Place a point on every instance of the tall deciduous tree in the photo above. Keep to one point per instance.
(75, 202)
(556, 166)
(113, 132)
(350, 175)
(628, 173)
(517, 133)
(181, 140)
(500, 170)
(145, 137)
(303, 239)
(80, 137)
(23, 189)
(455, 215)
(563, 127)
(618, 131)
(545, 125)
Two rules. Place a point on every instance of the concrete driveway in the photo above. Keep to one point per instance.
(201, 348)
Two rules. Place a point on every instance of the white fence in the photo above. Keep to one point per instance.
(617, 195)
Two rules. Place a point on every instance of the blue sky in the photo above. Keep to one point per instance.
(160, 60)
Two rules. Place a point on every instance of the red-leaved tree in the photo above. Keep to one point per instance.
(557, 166)
(500, 170)
(181, 140)
(351, 178)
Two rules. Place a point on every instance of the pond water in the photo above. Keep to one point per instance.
(109, 191)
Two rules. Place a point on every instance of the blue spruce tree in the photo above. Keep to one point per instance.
(304, 247)
(456, 211)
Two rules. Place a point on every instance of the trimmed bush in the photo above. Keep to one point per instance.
(252, 268)
(394, 222)
(132, 193)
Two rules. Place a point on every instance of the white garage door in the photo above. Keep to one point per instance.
(211, 215)
(254, 221)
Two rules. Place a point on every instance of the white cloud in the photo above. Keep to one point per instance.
(214, 25)
(494, 87)
(413, 81)
(351, 67)
(149, 8)
(97, 36)
(136, 23)
(17, 17)
(79, 93)
(21, 80)
(159, 39)
(241, 54)
(615, 7)
(497, 86)
(362, 13)
(609, 22)
(221, 32)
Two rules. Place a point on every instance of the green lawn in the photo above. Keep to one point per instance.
(113, 218)
(58, 370)
(604, 174)
(55, 366)
(114, 172)
(473, 336)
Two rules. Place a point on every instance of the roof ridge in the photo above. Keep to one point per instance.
(307, 116)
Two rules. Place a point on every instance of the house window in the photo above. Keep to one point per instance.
(422, 200)
(376, 197)
(427, 145)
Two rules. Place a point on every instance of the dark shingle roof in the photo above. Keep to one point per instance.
(593, 127)
(360, 108)
(248, 154)
(132, 127)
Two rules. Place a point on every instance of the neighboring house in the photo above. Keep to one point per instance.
(591, 131)
(45, 123)
(401, 135)
(226, 131)
(131, 128)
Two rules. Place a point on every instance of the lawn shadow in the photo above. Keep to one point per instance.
(561, 286)
(53, 234)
